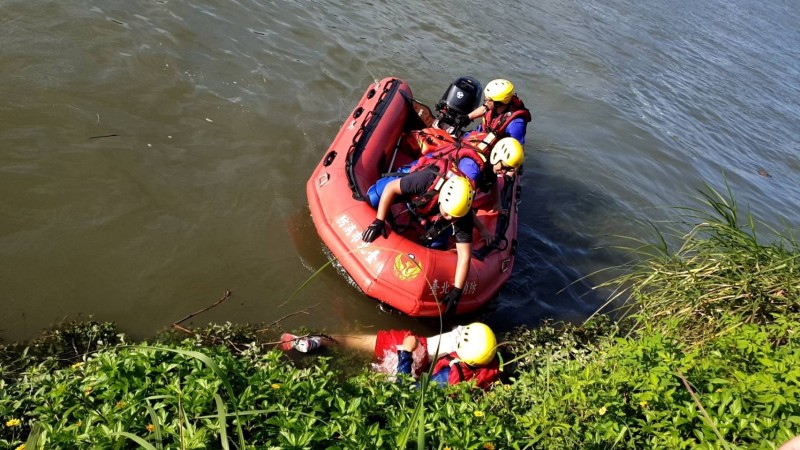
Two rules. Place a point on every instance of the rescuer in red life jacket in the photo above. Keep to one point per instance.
(442, 195)
(483, 167)
(505, 160)
(503, 112)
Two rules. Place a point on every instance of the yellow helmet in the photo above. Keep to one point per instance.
(476, 345)
(455, 197)
(499, 91)
(509, 151)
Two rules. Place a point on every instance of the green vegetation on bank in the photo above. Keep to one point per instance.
(707, 357)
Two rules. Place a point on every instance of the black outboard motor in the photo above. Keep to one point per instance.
(461, 98)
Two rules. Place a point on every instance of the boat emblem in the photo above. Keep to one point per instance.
(406, 266)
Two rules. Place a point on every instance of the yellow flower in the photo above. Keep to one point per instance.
(488, 446)
(13, 423)
(478, 413)
(21, 447)
(643, 403)
(120, 405)
(150, 427)
(77, 365)
(87, 391)
(447, 447)
(602, 410)
(276, 386)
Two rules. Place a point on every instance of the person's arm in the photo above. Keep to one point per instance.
(486, 235)
(404, 354)
(495, 193)
(442, 344)
(378, 226)
(391, 191)
(450, 300)
(477, 112)
(464, 251)
(516, 129)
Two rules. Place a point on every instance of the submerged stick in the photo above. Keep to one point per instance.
(222, 299)
(302, 311)
(182, 328)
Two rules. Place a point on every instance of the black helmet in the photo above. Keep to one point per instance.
(462, 96)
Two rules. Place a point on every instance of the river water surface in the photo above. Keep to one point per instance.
(155, 152)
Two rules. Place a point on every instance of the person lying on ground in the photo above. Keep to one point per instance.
(465, 354)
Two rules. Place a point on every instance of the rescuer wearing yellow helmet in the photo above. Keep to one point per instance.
(503, 112)
(441, 201)
(467, 353)
(474, 357)
(507, 156)
(505, 159)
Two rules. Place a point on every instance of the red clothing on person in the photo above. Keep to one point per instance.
(386, 345)
(483, 376)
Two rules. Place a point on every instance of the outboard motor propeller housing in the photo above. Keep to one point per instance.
(462, 96)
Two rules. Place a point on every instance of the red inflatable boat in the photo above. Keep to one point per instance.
(398, 270)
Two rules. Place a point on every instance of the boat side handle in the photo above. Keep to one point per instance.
(329, 158)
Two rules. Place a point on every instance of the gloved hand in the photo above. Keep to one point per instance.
(451, 299)
(375, 229)
(462, 120)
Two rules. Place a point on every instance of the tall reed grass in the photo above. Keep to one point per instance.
(719, 268)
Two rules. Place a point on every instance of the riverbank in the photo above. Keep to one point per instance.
(707, 357)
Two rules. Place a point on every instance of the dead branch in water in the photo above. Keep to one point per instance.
(303, 311)
(177, 324)
(222, 299)
(181, 328)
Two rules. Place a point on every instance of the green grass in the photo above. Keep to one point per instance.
(720, 275)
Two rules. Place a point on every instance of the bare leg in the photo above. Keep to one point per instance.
(366, 342)
(363, 342)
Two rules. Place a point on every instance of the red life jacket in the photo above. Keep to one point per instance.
(481, 141)
(478, 153)
(444, 168)
(498, 124)
(483, 376)
(426, 140)
(456, 152)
